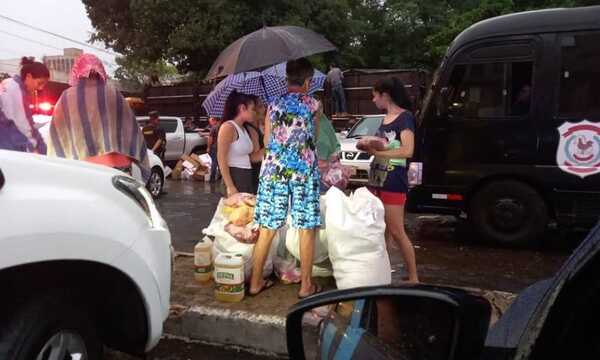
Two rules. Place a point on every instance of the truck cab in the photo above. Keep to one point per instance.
(509, 132)
(179, 140)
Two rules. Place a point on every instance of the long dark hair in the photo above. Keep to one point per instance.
(394, 87)
(232, 105)
(36, 69)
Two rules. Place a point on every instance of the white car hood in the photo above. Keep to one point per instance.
(349, 144)
(29, 164)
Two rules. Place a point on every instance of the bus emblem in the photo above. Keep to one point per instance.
(578, 152)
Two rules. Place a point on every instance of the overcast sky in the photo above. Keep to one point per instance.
(64, 17)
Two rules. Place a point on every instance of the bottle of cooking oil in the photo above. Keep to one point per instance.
(229, 278)
(203, 265)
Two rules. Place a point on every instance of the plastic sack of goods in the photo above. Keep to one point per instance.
(356, 239)
(351, 244)
(239, 209)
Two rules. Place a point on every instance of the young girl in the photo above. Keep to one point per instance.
(234, 145)
(388, 178)
(17, 131)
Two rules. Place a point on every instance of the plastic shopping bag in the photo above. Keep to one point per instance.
(292, 238)
(335, 174)
(225, 243)
(356, 239)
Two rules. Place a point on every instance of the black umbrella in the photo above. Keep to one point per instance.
(266, 47)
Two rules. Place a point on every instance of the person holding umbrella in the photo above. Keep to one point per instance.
(290, 176)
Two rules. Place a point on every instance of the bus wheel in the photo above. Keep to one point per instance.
(509, 212)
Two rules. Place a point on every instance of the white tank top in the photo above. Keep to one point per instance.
(240, 149)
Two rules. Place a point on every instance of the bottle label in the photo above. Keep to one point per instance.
(229, 289)
(203, 269)
(229, 276)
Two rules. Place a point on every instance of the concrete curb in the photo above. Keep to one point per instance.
(242, 329)
(263, 334)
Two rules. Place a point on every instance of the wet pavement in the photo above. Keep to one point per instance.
(170, 349)
(447, 253)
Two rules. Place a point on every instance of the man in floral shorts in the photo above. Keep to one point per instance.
(289, 178)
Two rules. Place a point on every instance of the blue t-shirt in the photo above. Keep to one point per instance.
(392, 174)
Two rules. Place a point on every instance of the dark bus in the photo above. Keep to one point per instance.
(509, 132)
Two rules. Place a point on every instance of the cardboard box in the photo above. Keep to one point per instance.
(176, 174)
(193, 166)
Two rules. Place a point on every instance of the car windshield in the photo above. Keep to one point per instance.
(365, 127)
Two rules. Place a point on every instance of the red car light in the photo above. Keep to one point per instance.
(45, 106)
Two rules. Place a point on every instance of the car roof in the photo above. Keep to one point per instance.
(531, 22)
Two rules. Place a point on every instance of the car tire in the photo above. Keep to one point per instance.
(155, 183)
(47, 324)
(509, 213)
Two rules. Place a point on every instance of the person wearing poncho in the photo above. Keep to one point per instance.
(92, 121)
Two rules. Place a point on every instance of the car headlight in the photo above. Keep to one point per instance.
(138, 193)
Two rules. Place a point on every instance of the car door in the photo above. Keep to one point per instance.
(564, 324)
(173, 128)
(570, 133)
(484, 118)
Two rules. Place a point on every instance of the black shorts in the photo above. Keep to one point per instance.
(243, 180)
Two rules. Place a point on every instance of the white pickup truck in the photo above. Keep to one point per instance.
(85, 260)
(179, 140)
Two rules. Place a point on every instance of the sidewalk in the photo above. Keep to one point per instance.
(256, 324)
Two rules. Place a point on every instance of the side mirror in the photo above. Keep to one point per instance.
(412, 322)
(344, 134)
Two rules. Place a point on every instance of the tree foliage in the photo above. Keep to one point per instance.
(134, 72)
(368, 33)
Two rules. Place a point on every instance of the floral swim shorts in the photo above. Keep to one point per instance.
(300, 197)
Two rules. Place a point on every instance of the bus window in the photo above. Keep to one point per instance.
(490, 90)
(480, 94)
(580, 77)
(521, 88)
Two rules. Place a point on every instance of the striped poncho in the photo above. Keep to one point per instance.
(92, 118)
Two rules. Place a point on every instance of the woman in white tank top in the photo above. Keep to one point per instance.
(234, 146)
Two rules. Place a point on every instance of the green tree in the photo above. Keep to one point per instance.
(464, 13)
(134, 73)
(369, 33)
(461, 16)
(191, 33)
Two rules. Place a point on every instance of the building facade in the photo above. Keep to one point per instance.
(60, 65)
